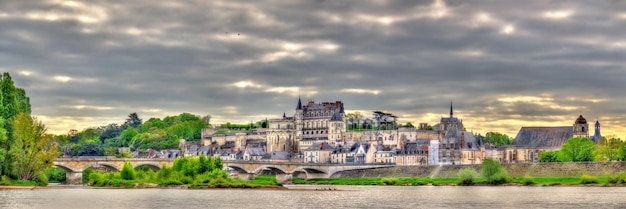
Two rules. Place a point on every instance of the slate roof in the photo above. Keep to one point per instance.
(319, 146)
(255, 151)
(336, 116)
(470, 141)
(413, 149)
(542, 137)
(280, 155)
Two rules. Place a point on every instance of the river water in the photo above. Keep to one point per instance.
(343, 197)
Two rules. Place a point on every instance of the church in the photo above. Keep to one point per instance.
(531, 141)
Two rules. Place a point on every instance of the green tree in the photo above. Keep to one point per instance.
(549, 156)
(133, 120)
(32, 149)
(126, 136)
(498, 139)
(128, 172)
(493, 172)
(609, 148)
(3, 151)
(577, 150)
(13, 101)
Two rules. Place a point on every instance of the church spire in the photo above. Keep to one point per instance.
(299, 107)
(451, 109)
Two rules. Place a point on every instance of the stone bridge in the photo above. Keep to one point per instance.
(286, 170)
(74, 167)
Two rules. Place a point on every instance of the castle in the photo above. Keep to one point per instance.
(317, 133)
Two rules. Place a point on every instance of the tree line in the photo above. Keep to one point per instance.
(155, 133)
(25, 147)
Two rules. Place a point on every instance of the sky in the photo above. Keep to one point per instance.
(503, 64)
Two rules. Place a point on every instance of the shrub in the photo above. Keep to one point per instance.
(619, 178)
(4, 180)
(389, 181)
(87, 172)
(467, 176)
(528, 180)
(494, 172)
(586, 179)
(41, 179)
(94, 178)
(500, 177)
(171, 182)
(128, 172)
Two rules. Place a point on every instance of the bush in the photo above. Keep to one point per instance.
(586, 179)
(55, 175)
(389, 181)
(467, 176)
(494, 172)
(5, 181)
(171, 182)
(528, 180)
(87, 172)
(94, 178)
(619, 178)
(128, 172)
(41, 179)
(501, 177)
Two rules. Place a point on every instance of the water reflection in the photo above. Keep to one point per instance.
(345, 197)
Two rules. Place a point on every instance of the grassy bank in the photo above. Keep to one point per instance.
(418, 181)
(199, 172)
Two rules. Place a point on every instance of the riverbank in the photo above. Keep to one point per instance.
(420, 181)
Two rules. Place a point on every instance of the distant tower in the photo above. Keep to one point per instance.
(597, 136)
(298, 121)
(581, 128)
(451, 113)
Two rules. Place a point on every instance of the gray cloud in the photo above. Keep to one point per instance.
(503, 64)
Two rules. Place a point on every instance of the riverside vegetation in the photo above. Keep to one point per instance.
(196, 172)
(492, 173)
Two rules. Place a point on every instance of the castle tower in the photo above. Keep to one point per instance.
(336, 127)
(596, 136)
(581, 128)
(298, 117)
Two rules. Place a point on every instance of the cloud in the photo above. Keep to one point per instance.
(503, 64)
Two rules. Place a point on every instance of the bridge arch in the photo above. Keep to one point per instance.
(153, 166)
(238, 168)
(65, 167)
(274, 168)
(110, 166)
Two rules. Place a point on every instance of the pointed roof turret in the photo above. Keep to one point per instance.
(341, 110)
(299, 107)
(284, 115)
(451, 113)
(336, 116)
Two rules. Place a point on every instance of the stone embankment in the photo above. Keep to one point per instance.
(514, 170)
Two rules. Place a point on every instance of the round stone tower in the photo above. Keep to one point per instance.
(581, 128)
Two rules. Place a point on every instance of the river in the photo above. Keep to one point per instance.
(343, 197)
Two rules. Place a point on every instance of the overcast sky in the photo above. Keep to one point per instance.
(504, 64)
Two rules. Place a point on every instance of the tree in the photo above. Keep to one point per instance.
(577, 150)
(128, 172)
(133, 120)
(126, 136)
(497, 139)
(32, 149)
(3, 150)
(493, 172)
(409, 124)
(207, 120)
(549, 156)
(609, 148)
(13, 101)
